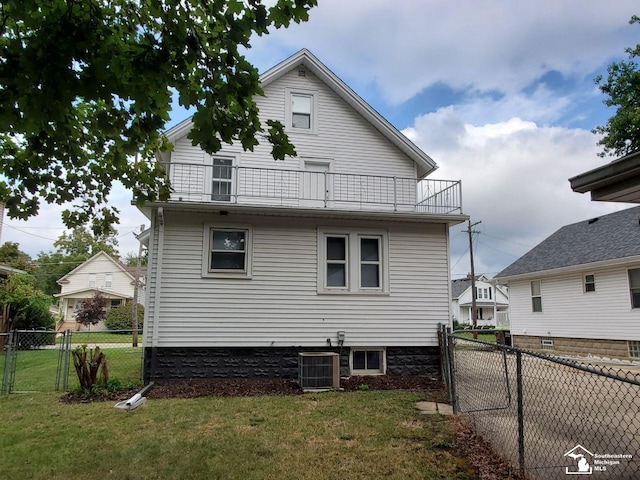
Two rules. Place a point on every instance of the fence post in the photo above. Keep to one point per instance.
(7, 379)
(60, 361)
(520, 412)
(67, 349)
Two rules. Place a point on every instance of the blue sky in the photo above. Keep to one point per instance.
(499, 93)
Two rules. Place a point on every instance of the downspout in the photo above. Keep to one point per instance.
(157, 293)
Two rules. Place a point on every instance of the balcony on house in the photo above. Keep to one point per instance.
(224, 183)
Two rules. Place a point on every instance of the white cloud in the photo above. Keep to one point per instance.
(514, 180)
(485, 45)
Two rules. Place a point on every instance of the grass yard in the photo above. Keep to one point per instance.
(100, 338)
(483, 337)
(36, 369)
(343, 435)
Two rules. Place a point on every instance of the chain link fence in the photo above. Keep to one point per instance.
(42, 360)
(548, 416)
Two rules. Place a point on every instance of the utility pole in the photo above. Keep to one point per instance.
(134, 308)
(474, 307)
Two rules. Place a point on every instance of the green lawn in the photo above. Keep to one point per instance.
(341, 435)
(80, 338)
(483, 337)
(36, 369)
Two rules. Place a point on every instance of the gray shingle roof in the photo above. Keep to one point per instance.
(608, 237)
(458, 286)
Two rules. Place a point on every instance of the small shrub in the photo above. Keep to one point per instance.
(120, 317)
(364, 387)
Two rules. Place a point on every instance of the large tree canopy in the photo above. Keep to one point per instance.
(622, 87)
(86, 87)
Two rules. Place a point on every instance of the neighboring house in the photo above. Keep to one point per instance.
(618, 181)
(492, 302)
(6, 270)
(579, 290)
(101, 273)
(341, 249)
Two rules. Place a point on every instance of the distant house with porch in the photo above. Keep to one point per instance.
(579, 290)
(101, 273)
(492, 302)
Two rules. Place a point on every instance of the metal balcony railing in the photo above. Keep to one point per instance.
(226, 183)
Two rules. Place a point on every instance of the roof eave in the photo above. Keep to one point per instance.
(568, 269)
(618, 181)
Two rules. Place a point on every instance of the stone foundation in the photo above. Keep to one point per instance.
(176, 363)
(575, 346)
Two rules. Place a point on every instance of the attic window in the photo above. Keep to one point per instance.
(301, 110)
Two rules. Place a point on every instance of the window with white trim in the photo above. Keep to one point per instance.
(108, 280)
(368, 361)
(536, 296)
(227, 251)
(92, 280)
(301, 111)
(222, 179)
(589, 283)
(634, 287)
(352, 261)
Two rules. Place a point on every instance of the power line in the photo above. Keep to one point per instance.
(29, 233)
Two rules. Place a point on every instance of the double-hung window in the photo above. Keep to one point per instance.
(536, 296)
(370, 262)
(634, 286)
(228, 251)
(589, 283)
(92, 280)
(108, 280)
(301, 111)
(337, 261)
(222, 179)
(352, 261)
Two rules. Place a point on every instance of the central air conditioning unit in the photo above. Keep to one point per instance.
(319, 370)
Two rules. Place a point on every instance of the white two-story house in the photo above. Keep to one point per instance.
(102, 274)
(492, 302)
(343, 248)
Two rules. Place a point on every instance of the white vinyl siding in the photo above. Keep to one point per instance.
(341, 134)
(98, 272)
(280, 305)
(568, 312)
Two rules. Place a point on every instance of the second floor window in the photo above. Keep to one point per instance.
(221, 179)
(92, 280)
(108, 280)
